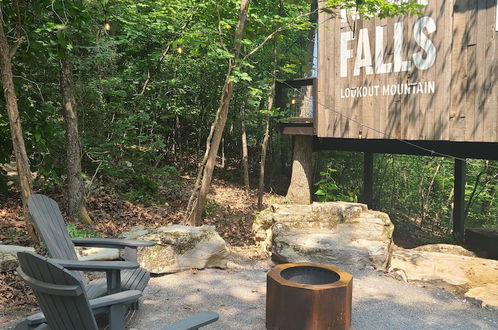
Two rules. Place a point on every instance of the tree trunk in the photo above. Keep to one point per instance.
(22, 161)
(203, 181)
(266, 138)
(245, 153)
(300, 188)
(264, 147)
(77, 211)
(302, 155)
(223, 159)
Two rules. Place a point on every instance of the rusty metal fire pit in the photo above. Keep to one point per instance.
(308, 296)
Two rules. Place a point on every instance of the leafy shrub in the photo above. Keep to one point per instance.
(210, 208)
(76, 232)
(143, 184)
(329, 191)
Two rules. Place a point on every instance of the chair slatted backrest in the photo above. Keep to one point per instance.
(60, 294)
(47, 218)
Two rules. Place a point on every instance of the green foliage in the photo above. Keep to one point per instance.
(75, 232)
(378, 8)
(328, 190)
(415, 188)
(17, 234)
(326, 186)
(145, 108)
(210, 208)
(145, 185)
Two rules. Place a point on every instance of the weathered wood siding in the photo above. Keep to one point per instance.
(455, 98)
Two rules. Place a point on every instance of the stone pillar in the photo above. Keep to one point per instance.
(301, 178)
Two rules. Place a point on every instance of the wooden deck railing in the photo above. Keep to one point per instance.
(297, 100)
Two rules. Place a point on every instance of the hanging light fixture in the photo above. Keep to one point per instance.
(106, 25)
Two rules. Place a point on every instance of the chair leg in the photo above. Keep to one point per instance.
(134, 306)
(117, 317)
(22, 325)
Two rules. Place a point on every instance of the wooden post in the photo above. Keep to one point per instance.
(459, 200)
(367, 193)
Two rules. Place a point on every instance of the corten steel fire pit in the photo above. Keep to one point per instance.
(308, 296)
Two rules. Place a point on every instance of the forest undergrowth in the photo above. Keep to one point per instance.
(228, 209)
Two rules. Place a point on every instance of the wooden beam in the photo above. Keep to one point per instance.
(296, 83)
(302, 120)
(297, 130)
(477, 150)
(367, 193)
(459, 200)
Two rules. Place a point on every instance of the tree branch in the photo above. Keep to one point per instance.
(163, 56)
(220, 34)
(15, 46)
(34, 83)
(274, 33)
(472, 195)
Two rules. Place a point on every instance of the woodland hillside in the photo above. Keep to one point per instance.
(117, 97)
(158, 112)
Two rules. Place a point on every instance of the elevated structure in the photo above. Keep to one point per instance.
(422, 85)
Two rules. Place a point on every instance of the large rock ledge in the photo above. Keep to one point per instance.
(8, 256)
(453, 269)
(180, 248)
(338, 233)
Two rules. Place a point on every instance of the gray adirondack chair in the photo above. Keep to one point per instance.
(65, 305)
(47, 219)
(63, 299)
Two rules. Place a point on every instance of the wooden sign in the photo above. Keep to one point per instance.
(429, 77)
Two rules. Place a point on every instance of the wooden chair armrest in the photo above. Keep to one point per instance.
(110, 243)
(102, 266)
(123, 297)
(195, 321)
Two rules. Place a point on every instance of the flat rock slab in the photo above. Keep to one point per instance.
(446, 248)
(180, 248)
(8, 256)
(475, 277)
(97, 254)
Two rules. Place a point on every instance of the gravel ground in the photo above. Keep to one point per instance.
(238, 295)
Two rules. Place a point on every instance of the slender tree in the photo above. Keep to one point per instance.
(266, 136)
(75, 189)
(245, 152)
(22, 161)
(77, 211)
(205, 173)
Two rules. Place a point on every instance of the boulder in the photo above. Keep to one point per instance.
(97, 254)
(487, 294)
(312, 216)
(337, 233)
(8, 256)
(262, 229)
(180, 248)
(446, 248)
(475, 277)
